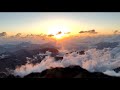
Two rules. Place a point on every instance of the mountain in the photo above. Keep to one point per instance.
(103, 45)
(12, 59)
(68, 72)
(23, 45)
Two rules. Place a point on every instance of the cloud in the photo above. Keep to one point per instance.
(50, 35)
(18, 34)
(18, 38)
(116, 32)
(67, 33)
(90, 31)
(112, 73)
(59, 33)
(3, 34)
(93, 60)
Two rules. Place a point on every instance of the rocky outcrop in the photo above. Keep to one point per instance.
(69, 72)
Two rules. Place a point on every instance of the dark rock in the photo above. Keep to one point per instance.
(58, 58)
(33, 75)
(81, 52)
(3, 75)
(69, 72)
(12, 76)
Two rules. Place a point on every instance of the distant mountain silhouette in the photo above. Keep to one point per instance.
(17, 57)
(103, 45)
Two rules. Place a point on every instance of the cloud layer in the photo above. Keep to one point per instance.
(100, 60)
(93, 60)
(3, 34)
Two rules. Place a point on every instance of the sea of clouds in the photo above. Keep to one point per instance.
(94, 60)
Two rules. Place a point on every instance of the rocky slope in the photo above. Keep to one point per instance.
(68, 72)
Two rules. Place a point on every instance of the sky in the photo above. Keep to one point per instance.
(45, 22)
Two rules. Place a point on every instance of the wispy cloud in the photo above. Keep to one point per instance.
(3, 34)
(90, 32)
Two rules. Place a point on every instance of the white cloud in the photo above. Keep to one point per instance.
(112, 73)
(93, 60)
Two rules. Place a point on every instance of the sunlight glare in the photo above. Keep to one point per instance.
(58, 31)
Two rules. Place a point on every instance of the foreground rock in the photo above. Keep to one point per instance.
(68, 72)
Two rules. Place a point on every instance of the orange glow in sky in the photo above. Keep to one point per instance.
(51, 23)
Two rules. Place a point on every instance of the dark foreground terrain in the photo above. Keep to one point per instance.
(68, 72)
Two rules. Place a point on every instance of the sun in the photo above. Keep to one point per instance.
(58, 31)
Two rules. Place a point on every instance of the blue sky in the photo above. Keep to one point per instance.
(26, 21)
